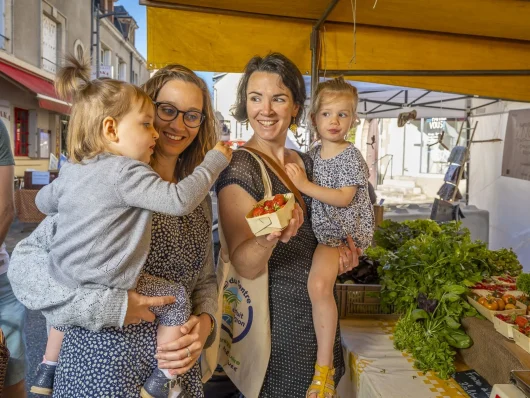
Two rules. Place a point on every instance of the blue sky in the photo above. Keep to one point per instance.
(138, 13)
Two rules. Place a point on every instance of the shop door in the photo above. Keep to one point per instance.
(21, 132)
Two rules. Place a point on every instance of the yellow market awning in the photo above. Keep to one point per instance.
(398, 35)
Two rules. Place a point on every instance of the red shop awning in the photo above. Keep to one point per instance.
(42, 87)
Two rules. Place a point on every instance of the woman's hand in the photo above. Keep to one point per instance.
(292, 229)
(297, 175)
(138, 307)
(180, 355)
(349, 256)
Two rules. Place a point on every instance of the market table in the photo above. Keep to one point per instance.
(492, 355)
(375, 369)
(26, 209)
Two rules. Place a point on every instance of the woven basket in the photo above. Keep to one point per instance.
(4, 357)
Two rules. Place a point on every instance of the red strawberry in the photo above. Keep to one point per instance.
(279, 199)
(258, 211)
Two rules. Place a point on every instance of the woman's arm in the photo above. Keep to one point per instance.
(340, 197)
(249, 254)
(91, 309)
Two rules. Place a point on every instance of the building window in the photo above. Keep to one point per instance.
(49, 44)
(21, 132)
(79, 49)
(2, 24)
(44, 143)
(135, 78)
(105, 62)
(122, 70)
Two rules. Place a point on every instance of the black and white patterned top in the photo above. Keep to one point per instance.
(332, 224)
(294, 344)
(116, 362)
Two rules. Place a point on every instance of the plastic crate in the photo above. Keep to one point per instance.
(359, 299)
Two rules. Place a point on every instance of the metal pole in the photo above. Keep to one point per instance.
(92, 13)
(468, 165)
(455, 73)
(97, 45)
(315, 46)
(315, 56)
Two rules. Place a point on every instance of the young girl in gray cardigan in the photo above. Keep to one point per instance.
(105, 196)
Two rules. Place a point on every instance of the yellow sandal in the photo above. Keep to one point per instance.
(323, 384)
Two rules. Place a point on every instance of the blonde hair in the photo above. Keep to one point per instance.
(208, 133)
(92, 101)
(335, 88)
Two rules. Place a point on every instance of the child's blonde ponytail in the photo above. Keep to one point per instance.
(72, 77)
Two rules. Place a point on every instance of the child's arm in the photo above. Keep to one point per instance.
(139, 186)
(34, 287)
(341, 197)
(47, 199)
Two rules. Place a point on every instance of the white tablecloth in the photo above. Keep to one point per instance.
(374, 369)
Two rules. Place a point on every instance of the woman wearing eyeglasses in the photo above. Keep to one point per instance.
(117, 360)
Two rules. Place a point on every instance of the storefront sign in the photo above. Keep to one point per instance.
(436, 123)
(40, 177)
(516, 157)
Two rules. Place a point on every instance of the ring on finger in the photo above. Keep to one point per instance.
(189, 352)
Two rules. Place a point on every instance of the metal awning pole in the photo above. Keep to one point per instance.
(444, 72)
(315, 45)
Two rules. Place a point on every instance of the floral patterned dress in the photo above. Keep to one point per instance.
(116, 362)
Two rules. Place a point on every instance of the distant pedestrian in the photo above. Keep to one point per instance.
(12, 312)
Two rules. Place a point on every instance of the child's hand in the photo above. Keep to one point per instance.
(297, 175)
(224, 149)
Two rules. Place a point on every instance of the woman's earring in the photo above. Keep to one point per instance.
(293, 127)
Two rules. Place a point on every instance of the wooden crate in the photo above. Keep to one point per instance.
(359, 299)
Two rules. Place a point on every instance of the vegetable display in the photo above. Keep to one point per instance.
(523, 283)
(426, 270)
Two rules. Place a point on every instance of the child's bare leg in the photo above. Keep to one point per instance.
(167, 334)
(320, 285)
(53, 346)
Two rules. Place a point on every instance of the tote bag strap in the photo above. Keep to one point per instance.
(267, 185)
(281, 174)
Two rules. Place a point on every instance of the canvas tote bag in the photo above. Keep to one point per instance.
(243, 342)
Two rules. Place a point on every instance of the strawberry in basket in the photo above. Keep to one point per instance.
(271, 214)
(269, 206)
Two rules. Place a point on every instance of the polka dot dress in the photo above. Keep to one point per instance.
(116, 362)
(332, 224)
(294, 345)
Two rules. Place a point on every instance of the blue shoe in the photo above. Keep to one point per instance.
(43, 383)
(159, 386)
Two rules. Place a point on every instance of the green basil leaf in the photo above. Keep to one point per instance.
(419, 314)
(457, 289)
(452, 323)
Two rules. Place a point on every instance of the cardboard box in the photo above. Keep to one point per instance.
(504, 328)
(489, 315)
(273, 222)
(521, 340)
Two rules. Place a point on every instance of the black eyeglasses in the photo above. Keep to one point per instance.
(168, 113)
